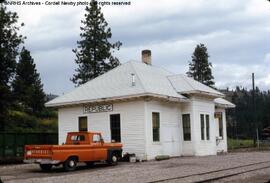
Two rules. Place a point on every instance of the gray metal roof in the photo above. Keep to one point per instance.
(187, 85)
(220, 102)
(117, 83)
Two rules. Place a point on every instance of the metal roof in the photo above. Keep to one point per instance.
(187, 85)
(220, 102)
(117, 84)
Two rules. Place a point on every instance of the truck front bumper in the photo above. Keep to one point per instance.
(41, 161)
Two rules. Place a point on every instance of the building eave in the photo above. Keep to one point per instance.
(203, 93)
(119, 99)
(226, 106)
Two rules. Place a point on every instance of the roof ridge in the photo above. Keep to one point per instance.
(171, 83)
(153, 66)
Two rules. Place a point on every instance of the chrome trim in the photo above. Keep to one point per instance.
(42, 161)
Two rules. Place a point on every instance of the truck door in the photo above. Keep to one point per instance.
(100, 153)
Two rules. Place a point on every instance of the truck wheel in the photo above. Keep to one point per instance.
(45, 167)
(70, 164)
(113, 159)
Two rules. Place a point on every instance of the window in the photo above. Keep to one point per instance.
(220, 123)
(96, 138)
(77, 138)
(115, 127)
(207, 127)
(186, 127)
(155, 126)
(83, 123)
(202, 126)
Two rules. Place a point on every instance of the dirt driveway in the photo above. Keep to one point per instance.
(172, 170)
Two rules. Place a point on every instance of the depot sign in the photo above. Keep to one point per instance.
(97, 108)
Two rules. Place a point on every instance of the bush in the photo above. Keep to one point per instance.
(19, 121)
(47, 113)
(240, 143)
(162, 157)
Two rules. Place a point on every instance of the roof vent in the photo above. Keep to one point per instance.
(146, 57)
(133, 79)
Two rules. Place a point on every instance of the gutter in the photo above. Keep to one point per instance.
(127, 97)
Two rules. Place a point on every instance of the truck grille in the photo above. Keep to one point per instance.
(39, 151)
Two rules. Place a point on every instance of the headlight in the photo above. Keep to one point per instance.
(28, 153)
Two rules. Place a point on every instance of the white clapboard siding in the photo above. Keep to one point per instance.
(203, 147)
(170, 143)
(132, 124)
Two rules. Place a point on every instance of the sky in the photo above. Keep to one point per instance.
(236, 34)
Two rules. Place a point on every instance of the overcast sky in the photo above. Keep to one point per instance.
(236, 33)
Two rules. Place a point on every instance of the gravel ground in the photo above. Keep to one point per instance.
(146, 171)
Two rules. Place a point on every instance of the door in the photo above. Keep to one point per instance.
(115, 128)
(100, 153)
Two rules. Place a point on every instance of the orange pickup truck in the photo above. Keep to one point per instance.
(88, 147)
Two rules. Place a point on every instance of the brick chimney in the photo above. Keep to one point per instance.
(146, 57)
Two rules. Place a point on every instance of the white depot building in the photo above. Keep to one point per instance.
(148, 109)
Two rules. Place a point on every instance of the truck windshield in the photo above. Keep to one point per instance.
(77, 138)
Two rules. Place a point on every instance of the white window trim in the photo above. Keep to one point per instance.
(205, 136)
(223, 124)
(109, 123)
(83, 115)
(186, 141)
(151, 124)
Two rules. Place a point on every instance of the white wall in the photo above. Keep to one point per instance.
(187, 149)
(132, 124)
(203, 106)
(136, 127)
(170, 135)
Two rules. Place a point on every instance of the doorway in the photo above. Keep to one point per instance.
(115, 127)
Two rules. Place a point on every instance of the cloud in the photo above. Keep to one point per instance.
(236, 34)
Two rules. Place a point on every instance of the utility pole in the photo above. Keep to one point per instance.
(254, 110)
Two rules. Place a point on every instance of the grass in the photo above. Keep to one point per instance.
(236, 144)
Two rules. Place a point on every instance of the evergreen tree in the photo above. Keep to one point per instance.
(9, 45)
(200, 67)
(27, 87)
(94, 53)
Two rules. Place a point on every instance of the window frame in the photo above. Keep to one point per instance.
(219, 117)
(85, 130)
(113, 129)
(78, 138)
(152, 125)
(96, 135)
(202, 122)
(186, 127)
(205, 127)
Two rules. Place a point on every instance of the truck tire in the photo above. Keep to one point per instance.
(45, 167)
(113, 159)
(70, 164)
